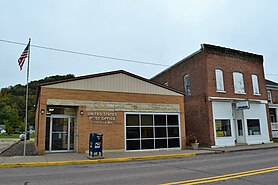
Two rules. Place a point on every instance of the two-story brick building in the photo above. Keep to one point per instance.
(226, 96)
(272, 90)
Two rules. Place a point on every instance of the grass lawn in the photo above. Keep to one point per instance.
(275, 140)
(16, 136)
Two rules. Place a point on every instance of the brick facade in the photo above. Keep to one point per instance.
(113, 134)
(201, 69)
(274, 95)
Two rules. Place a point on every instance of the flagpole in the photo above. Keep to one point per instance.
(26, 110)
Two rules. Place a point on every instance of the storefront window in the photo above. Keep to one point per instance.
(152, 131)
(223, 128)
(253, 127)
(132, 120)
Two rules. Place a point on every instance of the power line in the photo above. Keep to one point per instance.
(272, 74)
(85, 54)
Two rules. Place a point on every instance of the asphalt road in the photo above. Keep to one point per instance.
(155, 171)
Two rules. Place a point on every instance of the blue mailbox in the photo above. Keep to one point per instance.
(95, 144)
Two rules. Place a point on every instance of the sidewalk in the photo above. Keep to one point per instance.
(74, 158)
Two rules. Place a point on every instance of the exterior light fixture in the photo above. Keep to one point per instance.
(81, 112)
(42, 111)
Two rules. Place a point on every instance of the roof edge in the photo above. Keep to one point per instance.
(219, 50)
(172, 66)
(111, 73)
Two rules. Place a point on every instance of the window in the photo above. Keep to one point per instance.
(273, 117)
(223, 128)
(269, 96)
(152, 131)
(187, 85)
(238, 83)
(166, 84)
(219, 80)
(255, 84)
(253, 127)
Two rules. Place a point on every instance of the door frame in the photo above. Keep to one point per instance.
(68, 131)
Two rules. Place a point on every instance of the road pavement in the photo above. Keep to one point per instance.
(153, 172)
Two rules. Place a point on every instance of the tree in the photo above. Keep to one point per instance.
(9, 117)
(12, 102)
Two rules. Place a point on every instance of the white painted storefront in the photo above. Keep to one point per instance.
(243, 126)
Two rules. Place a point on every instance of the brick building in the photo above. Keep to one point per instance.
(272, 90)
(225, 96)
(133, 113)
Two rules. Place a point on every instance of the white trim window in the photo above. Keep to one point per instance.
(253, 126)
(152, 131)
(269, 96)
(187, 85)
(238, 83)
(256, 90)
(223, 128)
(219, 80)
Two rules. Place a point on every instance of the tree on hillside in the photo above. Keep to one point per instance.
(12, 102)
(9, 118)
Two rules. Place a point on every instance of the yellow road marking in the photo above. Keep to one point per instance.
(108, 160)
(224, 177)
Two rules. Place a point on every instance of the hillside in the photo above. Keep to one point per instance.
(12, 103)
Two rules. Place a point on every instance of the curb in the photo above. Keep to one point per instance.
(249, 149)
(242, 150)
(110, 160)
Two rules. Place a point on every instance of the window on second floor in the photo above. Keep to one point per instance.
(187, 85)
(255, 84)
(219, 80)
(269, 96)
(238, 83)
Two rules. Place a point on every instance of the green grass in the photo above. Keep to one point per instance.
(275, 140)
(12, 136)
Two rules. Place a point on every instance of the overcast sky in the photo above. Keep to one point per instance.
(156, 31)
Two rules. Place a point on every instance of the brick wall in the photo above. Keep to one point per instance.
(113, 134)
(196, 105)
(229, 65)
(274, 95)
(201, 69)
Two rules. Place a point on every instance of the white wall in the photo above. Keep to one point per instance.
(257, 111)
(223, 110)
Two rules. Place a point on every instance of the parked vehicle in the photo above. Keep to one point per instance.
(3, 131)
(22, 136)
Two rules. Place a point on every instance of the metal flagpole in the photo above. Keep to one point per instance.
(26, 111)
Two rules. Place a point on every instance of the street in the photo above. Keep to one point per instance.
(155, 171)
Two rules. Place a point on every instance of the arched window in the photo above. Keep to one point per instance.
(256, 90)
(238, 83)
(219, 80)
(187, 85)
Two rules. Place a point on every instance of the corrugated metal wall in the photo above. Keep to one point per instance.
(115, 83)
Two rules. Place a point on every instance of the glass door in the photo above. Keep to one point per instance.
(61, 133)
(59, 137)
(240, 132)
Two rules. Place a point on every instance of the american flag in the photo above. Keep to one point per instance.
(23, 56)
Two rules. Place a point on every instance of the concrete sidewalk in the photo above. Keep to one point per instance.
(73, 158)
